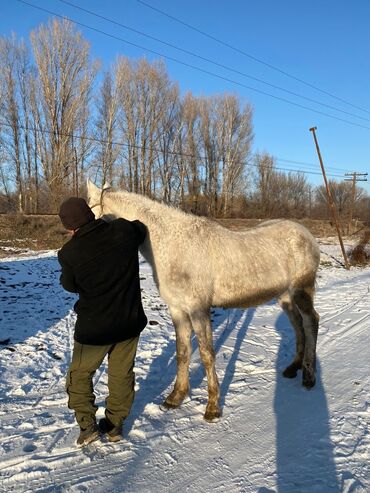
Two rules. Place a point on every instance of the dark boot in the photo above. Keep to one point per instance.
(88, 435)
(114, 433)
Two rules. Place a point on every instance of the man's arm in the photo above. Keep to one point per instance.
(140, 229)
(67, 279)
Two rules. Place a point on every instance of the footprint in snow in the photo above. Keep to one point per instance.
(29, 448)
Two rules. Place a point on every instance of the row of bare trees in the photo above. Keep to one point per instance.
(278, 194)
(61, 120)
(43, 104)
(190, 151)
(58, 123)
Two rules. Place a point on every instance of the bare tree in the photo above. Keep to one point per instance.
(107, 128)
(64, 81)
(296, 194)
(144, 94)
(264, 164)
(234, 139)
(210, 150)
(13, 62)
(5, 185)
(188, 160)
(280, 194)
(362, 209)
(169, 131)
(342, 195)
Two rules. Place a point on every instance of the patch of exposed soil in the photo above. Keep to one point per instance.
(21, 233)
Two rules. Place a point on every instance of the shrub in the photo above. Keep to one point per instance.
(360, 254)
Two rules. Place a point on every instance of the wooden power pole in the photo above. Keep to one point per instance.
(330, 199)
(355, 177)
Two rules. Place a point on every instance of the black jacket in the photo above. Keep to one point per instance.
(100, 263)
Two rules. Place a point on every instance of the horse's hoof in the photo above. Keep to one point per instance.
(166, 406)
(308, 381)
(290, 372)
(212, 417)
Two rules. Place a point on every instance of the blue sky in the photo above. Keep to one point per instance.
(325, 43)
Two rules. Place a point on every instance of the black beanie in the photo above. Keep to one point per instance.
(74, 213)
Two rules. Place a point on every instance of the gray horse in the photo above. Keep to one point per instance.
(198, 264)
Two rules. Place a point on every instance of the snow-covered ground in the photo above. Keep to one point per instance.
(274, 435)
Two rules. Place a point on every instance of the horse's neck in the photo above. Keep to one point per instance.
(132, 207)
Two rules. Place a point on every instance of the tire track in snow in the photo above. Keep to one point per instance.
(341, 327)
(55, 465)
(40, 472)
(346, 326)
(35, 471)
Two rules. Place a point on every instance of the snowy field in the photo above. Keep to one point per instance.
(274, 436)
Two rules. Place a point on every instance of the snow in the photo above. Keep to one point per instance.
(274, 436)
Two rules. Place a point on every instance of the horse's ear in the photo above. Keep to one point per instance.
(92, 189)
(106, 186)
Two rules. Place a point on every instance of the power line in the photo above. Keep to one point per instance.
(303, 167)
(221, 65)
(309, 165)
(238, 50)
(197, 68)
(356, 176)
(153, 149)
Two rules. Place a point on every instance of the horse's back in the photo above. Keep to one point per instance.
(301, 249)
(261, 263)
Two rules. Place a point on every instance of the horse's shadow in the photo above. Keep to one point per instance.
(230, 318)
(162, 371)
(304, 450)
(159, 376)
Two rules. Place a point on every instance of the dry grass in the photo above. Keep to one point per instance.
(43, 232)
(34, 232)
(319, 228)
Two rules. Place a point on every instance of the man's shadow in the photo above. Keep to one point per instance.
(304, 450)
(31, 303)
(31, 298)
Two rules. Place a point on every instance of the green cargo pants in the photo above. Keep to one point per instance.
(86, 360)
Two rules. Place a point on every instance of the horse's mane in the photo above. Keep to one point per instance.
(152, 205)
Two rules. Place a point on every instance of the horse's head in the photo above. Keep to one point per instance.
(95, 199)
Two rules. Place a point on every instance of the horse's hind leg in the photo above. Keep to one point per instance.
(303, 298)
(295, 318)
(183, 329)
(202, 328)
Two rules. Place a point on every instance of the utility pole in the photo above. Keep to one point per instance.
(330, 199)
(355, 177)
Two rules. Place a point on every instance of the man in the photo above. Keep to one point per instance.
(100, 263)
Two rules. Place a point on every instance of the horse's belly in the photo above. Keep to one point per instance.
(234, 296)
(246, 301)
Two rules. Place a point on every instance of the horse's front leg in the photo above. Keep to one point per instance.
(202, 327)
(183, 329)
